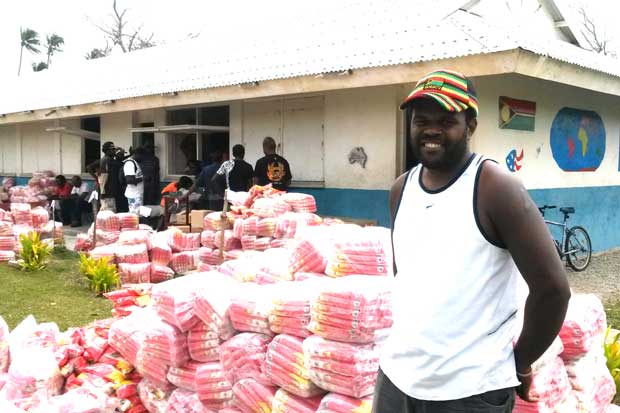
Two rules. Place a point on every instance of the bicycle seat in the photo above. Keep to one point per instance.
(567, 210)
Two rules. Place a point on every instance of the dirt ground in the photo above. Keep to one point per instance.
(602, 277)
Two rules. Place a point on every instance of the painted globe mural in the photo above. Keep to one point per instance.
(578, 140)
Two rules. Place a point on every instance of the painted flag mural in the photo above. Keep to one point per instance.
(517, 114)
(578, 140)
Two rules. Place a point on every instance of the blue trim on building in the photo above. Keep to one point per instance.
(351, 203)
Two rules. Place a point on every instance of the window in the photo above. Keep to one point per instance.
(91, 147)
(187, 151)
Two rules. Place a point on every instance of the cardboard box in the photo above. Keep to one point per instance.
(181, 219)
(196, 218)
(183, 228)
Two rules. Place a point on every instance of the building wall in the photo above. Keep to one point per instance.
(115, 128)
(8, 149)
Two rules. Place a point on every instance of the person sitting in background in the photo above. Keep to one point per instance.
(79, 200)
(63, 193)
(182, 185)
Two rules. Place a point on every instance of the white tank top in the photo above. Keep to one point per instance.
(454, 299)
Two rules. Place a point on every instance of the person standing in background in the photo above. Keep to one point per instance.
(272, 168)
(105, 171)
(135, 180)
(240, 178)
(150, 170)
(121, 200)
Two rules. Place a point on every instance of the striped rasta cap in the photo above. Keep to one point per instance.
(452, 90)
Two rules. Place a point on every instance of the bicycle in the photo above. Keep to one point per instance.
(576, 246)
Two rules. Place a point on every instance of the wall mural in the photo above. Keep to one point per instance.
(517, 114)
(358, 155)
(513, 161)
(577, 140)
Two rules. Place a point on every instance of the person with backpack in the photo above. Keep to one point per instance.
(131, 175)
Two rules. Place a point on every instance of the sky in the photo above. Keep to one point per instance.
(172, 21)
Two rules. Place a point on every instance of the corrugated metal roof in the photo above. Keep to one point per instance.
(349, 37)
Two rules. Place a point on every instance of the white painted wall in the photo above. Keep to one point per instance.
(540, 169)
(8, 149)
(40, 149)
(115, 128)
(72, 150)
(366, 117)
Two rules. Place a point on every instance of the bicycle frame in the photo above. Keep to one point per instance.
(565, 231)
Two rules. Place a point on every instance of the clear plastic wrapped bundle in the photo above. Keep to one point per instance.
(135, 237)
(4, 347)
(207, 238)
(584, 325)
(307, 257)
(338, 403)
(174, 300)
(184, 376)
(128, 221)
(105, 251)
(160, 253)
(22, 213)
(285, 402)
(262, 243)
(212, 304)
(84, 399)
(285, 366)
(108, 221)
(250, 308)
(134, 273)
(345, 368)
(6, 229)
(164, 346)
(40, 217)
(183, 262)
(241, 269)
(267, 227)
(161, 273)
(243, 356)
(550, 385)
(250, 226)
(212, 386)
(184, 401)
(154, 396)
(203, 343)
(179, 241)
(229, 240)
(83, 243)
(248, 242)
(107, 237)
(357, 252)
(213, 221)
(210, 257)
(286, 226)
(300, 202)
(353, 309)
(6, 216)
(7, 243)
(290, 308)
(131, 254)
(252, 396)
(6, 256)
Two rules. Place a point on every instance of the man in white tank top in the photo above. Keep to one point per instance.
(464, 230)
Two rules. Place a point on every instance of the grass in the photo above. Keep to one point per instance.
(56, 294)
(612, 308)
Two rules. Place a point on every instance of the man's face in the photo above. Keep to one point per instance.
(439, 138)
(76, 181)
(59, 182)
(111, 151)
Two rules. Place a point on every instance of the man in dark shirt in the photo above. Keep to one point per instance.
(213, 191)
(150, 170)
(106, 172)
(272, 168)
(240, 178)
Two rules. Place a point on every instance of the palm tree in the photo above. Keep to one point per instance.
(37, 67)
(53, 44)
(30, 41)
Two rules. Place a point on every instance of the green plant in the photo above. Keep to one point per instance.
(100, 274)
(612, 355)
(34, 254)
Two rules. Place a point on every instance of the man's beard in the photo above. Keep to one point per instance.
(452, 156)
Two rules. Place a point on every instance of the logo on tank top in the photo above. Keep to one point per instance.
(276, 171)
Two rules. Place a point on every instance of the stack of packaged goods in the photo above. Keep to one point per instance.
(128, 221)
(243, 356)
(133, 264)
(154, 396)
(40, 217)
(583, 335)
(286, 367)
(22, 214)
(213, 387)
(250, 308)
(184, 376)
(252, 396)
(357, 253)
(129, 298)
(184, 401)
(212, 305)
(290, 310)
(300, 202)
(285, 402)
(337, 403)
(174, 301)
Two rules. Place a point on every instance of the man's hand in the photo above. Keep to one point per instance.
(524, 389)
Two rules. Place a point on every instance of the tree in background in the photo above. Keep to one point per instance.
(118, 31)
(30, 42)
(37, 67)
(96, 53)
(53, 43)
(597, 41)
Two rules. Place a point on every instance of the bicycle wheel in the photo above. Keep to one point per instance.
(579, 242)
